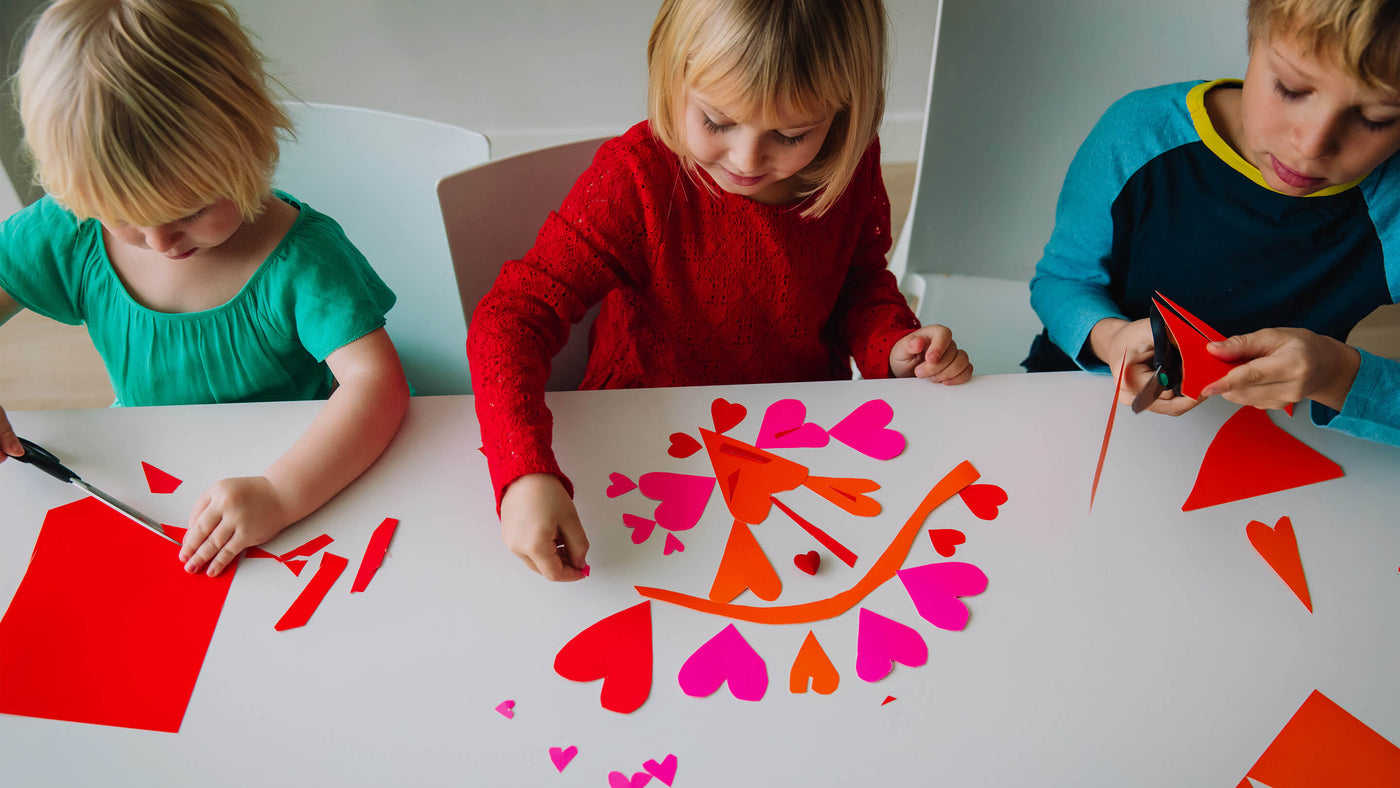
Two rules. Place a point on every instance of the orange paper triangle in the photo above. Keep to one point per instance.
(849, 494)
(744, 566)
(1323, 745)
(749, 476)
(1279, 546)
(1251, 456)
(812, 664)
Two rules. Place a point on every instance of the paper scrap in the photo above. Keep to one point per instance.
(744, 567)
(310, 597)
(837, 549)
(308, 548)
(158, 481)
(374, 553)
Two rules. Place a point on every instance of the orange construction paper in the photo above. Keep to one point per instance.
(812, 664)
(1198, 367)
(881, 571)
(1108, 429)
(1323, 745)
(849, 494)
(1279, 547)
(1252, 456)
(749, 476)
(744, 566)
(106, 627)
(310, 597)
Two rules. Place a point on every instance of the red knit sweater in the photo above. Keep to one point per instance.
(699, 286)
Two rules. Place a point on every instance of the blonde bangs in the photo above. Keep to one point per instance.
(1360, 37)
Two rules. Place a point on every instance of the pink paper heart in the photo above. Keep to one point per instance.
(682, 497)
(865, 431)
(620, 780)
(506, 708)
(664, 771)
(983, 500)
(673, 545)
(935, 589)
(562, 756)
(725, 657)
(785, 426)
(641, 527)
(621, 485)
(881, 642)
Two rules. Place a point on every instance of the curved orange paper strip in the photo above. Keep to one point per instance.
(1279, 547)
(813, 663)
(744, 566)
(882, 570)
(849, 494)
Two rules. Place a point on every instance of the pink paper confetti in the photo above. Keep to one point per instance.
(506, 708)
(936, 588)
(881, 642)
(865, 431)
(620, 780)
(664, 771)
(785, 426)
(725, 657)
(561, 756)
(374, 554)
(682, 497)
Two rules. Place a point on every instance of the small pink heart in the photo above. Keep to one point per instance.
(725, 657)
(865, 431)
(808, 561)
(785, 426)
(673, 545)
(506, 708)
(881, 642)
(726, 414)
(641, 527)
(682, 497)
(946, 540)
(935, 589)
(621, 485)
(983, 500)
(562, 756)
(620, 780)
(664, 771)
(682, 445)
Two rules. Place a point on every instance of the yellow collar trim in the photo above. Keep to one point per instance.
(1196, 103)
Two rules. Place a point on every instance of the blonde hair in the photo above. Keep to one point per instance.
(1360, 36)
(813, 58)
(144, 111)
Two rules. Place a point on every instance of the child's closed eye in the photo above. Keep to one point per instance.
(1286, 94)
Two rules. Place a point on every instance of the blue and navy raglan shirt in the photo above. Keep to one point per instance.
(1156, 200)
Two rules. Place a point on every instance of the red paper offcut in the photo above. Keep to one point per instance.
(88, 636)
(258, 552)
(296, 566)
(1252, 456)
(309, 548)
(310, 597)
(1325, 745)
(374, 554)
(159, 481)
(1108, 429)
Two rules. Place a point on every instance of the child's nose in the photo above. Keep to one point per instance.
(1318, 139)
(747, 156)
(162, 239)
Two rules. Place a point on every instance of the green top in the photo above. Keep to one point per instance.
(314, 294)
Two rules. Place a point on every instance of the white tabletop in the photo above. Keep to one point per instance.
(1134, 645)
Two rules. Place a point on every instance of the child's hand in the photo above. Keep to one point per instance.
(1285, 365)
(930, 353)
(1117, 342)
(539, 524)
(231, 515)
(9, 441)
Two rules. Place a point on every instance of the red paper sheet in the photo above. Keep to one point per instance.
(310, 598)
(1323, 745)
(374, 554)
(106, 627)
(1251, 456)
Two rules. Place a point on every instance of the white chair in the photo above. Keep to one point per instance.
(493, 212)
(376, 173)
(10, 202)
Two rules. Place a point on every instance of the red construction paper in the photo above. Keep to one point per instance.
(106, 627)
(309, 548)
(1108, 429)
(808, 562)
(616, 650)
(726, 414)
(296, 566)
(814, 666)
(946, 540)
(983, 500)
(830, 543)
(159, 481)
(257, 552)
(374, 554)
(881, 571)
(682, 445)
(1323, 745)
(1252, 456)
(744, 567)
(1279, 547)
(1198, 367)
(849, 494)
(310, 598)
(749, 476)
(888, 700)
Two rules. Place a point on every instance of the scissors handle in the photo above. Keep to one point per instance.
(44, 460)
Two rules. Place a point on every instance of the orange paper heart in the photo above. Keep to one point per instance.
(748, 476)
(1279, 546)
(812, 664)
(744, 566)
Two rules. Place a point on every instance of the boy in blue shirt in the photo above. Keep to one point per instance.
(1270, 208)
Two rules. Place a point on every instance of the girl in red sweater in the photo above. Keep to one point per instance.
(737, 236)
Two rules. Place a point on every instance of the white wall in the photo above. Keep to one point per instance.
(526, 73)
(1018, 84)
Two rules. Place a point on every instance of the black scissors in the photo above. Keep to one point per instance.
(1166, 363)
(44, 460)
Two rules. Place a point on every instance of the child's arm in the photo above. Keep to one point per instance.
(350, 432)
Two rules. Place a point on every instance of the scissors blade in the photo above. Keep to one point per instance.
(1149, 393)
(141, 519)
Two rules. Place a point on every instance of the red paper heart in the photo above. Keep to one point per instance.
(616, 650)
(808, 561)
(983, 500)
(726, 414)
(946, 540)
(682, 445)
(1279, 547)
(621, 485)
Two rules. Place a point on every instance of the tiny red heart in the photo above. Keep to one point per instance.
(726, 414)
(983, 500)
(682, 445)
(808, 561)
(946, 540)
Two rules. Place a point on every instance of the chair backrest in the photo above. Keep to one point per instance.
(376, 173)
(493, 212)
